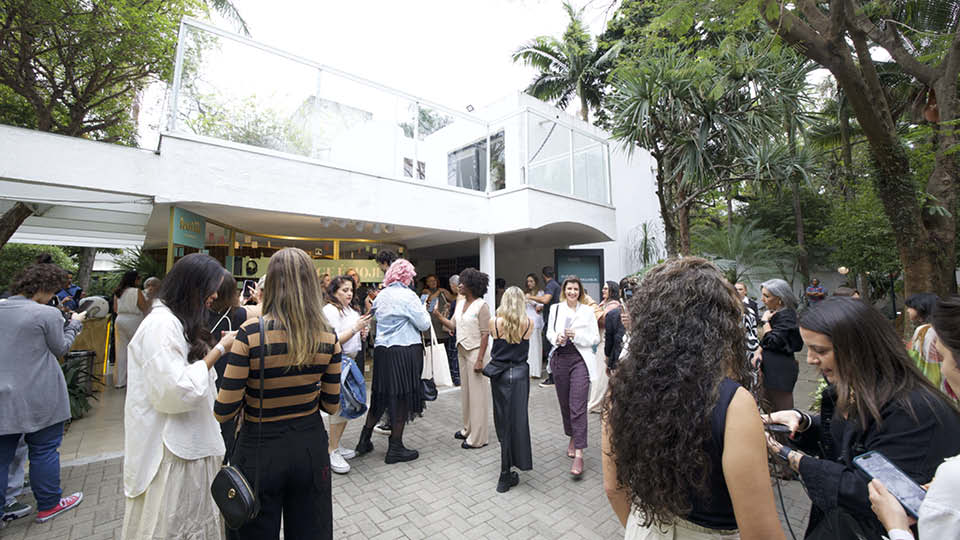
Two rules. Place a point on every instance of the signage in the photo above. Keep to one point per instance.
(586, 264)
(369, 271)
(189, 229)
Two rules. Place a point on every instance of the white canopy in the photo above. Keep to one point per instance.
(77, 217)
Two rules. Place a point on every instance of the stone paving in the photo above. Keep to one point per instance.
(447, 493)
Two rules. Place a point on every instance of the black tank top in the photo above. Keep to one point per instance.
(716, 511)
(510, 353)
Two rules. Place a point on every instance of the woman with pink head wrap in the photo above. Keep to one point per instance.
(397, 360)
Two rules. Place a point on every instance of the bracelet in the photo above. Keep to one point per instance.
(784, 453)
(805, 419)
(219, 347)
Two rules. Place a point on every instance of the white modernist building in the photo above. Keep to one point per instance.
(286, 151)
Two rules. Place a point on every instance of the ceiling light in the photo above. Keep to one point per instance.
(376, 228)
(469, 108)
(360, 225)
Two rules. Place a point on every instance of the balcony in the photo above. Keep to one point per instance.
(234, 91)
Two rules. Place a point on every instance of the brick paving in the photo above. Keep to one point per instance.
(447, 493)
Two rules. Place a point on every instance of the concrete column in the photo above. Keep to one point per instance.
(488, 266)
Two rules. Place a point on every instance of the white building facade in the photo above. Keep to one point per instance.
(286, 151)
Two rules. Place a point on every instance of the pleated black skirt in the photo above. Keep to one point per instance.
(511, 394)
(396, 380)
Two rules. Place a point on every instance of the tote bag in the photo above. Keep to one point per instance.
(435, 364)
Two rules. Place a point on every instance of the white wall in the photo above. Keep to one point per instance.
(635, 198)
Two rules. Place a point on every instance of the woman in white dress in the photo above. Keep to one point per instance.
(172, 443)
(130, 305)
(610, 300)
(535, 355)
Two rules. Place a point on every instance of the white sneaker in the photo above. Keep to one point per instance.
(338, 464)
(346, 453)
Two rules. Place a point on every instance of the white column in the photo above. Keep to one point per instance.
(488, 266)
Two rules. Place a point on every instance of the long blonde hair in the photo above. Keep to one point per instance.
(292, 296)
(513, 312)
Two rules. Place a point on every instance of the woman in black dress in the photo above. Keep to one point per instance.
(781, 338)
(509, 375)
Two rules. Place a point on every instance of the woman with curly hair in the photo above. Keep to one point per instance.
(471, 321)
(573, 332)
(34, 400)
(684, 452)
(509, 375)
(397, 361)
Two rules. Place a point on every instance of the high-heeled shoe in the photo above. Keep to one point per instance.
(577, 469)
(571, 451)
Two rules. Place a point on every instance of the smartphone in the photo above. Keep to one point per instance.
(908, 492)
(248, 287)
(777, 428)
(423, 298)
(372, 312)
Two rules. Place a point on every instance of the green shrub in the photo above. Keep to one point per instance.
(16, 257)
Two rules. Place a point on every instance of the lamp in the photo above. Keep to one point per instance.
(843, 270)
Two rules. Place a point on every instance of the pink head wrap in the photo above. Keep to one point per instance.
(400, 271)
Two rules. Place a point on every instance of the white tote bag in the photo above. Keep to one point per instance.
(435, 362)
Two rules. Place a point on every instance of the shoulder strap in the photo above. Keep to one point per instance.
(496, 327)
(263, 368)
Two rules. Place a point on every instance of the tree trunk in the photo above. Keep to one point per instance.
(584, 110)
(85, 267)
(11, 221)
(803, 264)
(846, 149)
(926, 242)
(683, 224)
(729, 193)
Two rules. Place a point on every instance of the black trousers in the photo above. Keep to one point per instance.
(294, 480)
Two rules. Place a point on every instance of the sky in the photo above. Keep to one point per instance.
(453, 52)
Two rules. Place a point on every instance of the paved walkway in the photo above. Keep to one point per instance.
(447, 493)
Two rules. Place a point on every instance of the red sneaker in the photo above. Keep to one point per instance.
(65, 504)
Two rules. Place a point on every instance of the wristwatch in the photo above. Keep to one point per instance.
(784, 452)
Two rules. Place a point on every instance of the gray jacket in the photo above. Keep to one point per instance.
(33, 393)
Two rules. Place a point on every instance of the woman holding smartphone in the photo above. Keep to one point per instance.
(573, 329)
(939, 515)
(877, 401)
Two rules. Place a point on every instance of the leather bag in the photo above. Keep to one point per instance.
(237, 501)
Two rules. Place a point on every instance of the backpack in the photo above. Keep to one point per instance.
(353, 390)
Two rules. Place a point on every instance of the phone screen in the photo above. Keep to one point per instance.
(908, 492)
(248, 287)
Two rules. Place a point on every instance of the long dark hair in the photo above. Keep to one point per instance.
(873, 368)
(946, 323)
(613, 290)
(924, 304)
(335, 284)
(128, 280)
(185, 290)
(536, 282)
(227, 294)
(686, 337)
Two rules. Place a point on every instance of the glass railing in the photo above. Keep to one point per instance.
(231, 88)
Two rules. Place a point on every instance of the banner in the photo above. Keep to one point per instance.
(189, 229)
(369, 271)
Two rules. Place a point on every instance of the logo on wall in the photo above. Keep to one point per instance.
(251, 267)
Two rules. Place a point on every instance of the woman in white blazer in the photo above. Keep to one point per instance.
(573, 333)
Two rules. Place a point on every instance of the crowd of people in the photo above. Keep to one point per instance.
(691, 378)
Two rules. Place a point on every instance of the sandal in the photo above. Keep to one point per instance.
(577, 469)
(571, 451)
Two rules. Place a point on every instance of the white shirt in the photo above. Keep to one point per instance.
(342, 322)
(169, 401)
(586, 333)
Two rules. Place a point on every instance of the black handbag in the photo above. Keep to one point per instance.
(429, 389)
(231, 491)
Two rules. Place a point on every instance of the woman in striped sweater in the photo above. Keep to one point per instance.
(301, 376)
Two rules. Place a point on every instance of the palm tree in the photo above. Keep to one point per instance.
(741, 249)
(228, 11)
(570, 67)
